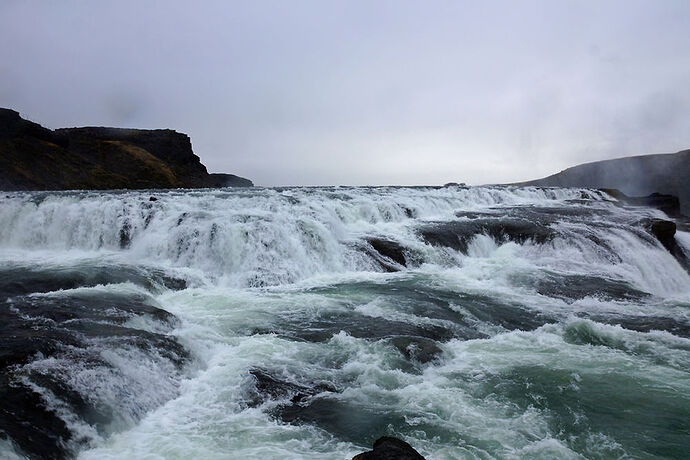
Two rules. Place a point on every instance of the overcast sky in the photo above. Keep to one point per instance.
(362, 92)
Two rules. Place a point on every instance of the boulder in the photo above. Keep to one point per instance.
(389, 448)
(418, 349)
(665, 231)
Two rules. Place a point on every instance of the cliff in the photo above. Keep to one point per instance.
(638, 175)
(36, 158)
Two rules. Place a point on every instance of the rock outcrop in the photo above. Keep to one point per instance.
(634, 176)
(36, 158)
(228, 180)
(389, 448)
(665, 231)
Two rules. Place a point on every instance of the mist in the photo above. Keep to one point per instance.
(316, 93)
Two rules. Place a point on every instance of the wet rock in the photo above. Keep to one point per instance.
(665, 231)
(570, 288)
(390, 249)
(34, 429)
(67, 332)
(645, 323)
(418, 349)
(269, 386)
(389, 448)
(21, 280)
(153, 198)
(458, 234)
(362, 326)
(125, 235)
(296, 401)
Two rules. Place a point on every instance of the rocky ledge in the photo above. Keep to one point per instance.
(36, 158)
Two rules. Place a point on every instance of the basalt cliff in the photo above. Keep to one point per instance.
(97, 158)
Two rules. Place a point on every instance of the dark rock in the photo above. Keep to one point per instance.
(457, 234)
(570, 288)
(645, 323)
(664, 231)
(327, 325)
(296, 402)
(390, 249)
(218, 180)
(125, 235)
(270, 386)
(36, 158)
(153, 198)
(634, 176)
(65, 328)
(418, 349)
(389, 448)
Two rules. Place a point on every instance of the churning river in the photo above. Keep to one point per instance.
(473, 322)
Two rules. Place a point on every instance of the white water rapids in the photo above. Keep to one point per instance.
(574, 345)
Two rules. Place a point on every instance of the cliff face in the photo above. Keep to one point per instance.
(639, 175)
(35, 158)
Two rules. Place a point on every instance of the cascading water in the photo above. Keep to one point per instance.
(474, 322)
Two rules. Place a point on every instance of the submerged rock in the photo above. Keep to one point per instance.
(271, 386)
(457, 234)
(57, 350)
(418, 349)
(389, 448)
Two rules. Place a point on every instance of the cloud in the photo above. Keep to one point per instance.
(355, 92)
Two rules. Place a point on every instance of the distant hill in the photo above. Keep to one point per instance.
(635, 176)
(36, 158)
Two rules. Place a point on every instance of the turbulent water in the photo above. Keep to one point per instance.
(307, 322)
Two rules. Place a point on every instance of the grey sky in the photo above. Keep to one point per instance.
(362, 92)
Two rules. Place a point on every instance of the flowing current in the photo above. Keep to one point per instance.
(479, 322)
